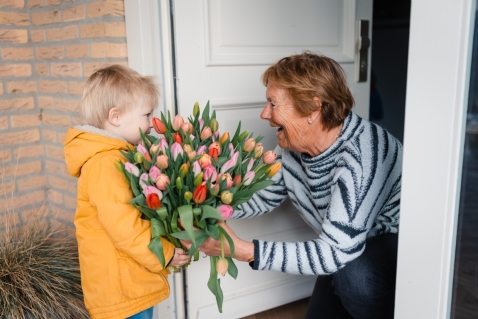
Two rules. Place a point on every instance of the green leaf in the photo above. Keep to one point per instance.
(229, 240)
(157, 228)
(205, 114)
(156, 246)
(174, 221)
(187, 218)
(213, 231)
(236, 135)
(134, 185)
(199, 241)
(210, 212)
(197, 233)
(214, 284)
(232, 269)
(245, 194)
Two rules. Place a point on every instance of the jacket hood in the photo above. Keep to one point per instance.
(83, 142)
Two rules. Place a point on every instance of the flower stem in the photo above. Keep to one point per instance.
(222, 245)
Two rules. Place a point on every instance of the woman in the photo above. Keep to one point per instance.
(343, 174)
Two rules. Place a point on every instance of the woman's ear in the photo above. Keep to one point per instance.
(318, 107)
(114, 116)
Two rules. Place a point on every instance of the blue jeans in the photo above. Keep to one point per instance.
(363, 289)
(145, 314)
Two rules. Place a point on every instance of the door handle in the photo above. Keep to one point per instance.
(361, 57)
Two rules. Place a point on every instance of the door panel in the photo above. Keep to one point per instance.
(222, 49)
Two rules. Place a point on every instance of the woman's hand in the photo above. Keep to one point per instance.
(180, 258)
(244, 250)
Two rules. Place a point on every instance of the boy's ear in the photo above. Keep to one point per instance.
(114, 116)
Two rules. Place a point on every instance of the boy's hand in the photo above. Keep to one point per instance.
(180, 258)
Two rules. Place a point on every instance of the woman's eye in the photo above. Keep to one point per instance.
(273, 105)
(148, 115)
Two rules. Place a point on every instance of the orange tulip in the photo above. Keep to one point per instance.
(273, 169)
(221, 266)
(200, 193)
(177, 138)
(224, 137)
(159, 126)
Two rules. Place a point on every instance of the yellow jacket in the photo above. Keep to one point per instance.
(120, 276)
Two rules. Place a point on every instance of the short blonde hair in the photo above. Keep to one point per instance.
(116, 86)
(309, 75)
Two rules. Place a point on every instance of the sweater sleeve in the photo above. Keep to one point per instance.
(267, 199)
(110, 193)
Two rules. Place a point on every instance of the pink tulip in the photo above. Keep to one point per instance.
(196, 168)
(176, 150)
(192, 137)
(217, 146)
(249, 166)
(162, 181)
(206, 133)
(154, 173)
(201, 149)
(163, 143)
(132, 169)
(141, 149)
(201, 124)
(178, 122)
(142, 179)
(187, 128)
(210, 173)
(249, 177)
(205, 161)
(162, 161)
(249, 145)
(269, 157)
(230, 163)
(227, 178)
(152, 190)
(226, 211)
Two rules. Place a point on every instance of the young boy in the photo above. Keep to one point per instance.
(120, 276)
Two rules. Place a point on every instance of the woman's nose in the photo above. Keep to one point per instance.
(266, 112)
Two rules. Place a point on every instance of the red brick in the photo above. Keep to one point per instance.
(66, 69)
(74, 13)
(20, 169)
(30, 151)
(54, 152)
(103, 29)
(48, 136)
(21, 103)
(5, 156)
(46, 103)
(48, 53)
(25, 120)
(6, 188)
(31, 182)
(70, 201)
(19, 137)
(56, 120)
(67, 105)
(13, 3)
(22, 87)
(55, 196)
(34, 3)
(42, 69)
(109, 50)
(37, 197)
(76, 51)
(76, 87)
(3, 123)
(103, 8)
(56, 2)
(14, 36)
(38, 35)
(67, 184)
(17, 53)
(52, 86)
(15, 70)
(76, 121)
(15, 18)
(46, 17)
(65, 33)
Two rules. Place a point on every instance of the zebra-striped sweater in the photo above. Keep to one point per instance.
(348, 193)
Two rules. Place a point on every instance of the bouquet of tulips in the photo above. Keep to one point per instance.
(192, 173)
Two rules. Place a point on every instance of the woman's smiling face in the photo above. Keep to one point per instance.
(282, 114)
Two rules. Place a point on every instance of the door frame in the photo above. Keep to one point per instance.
(434, 134)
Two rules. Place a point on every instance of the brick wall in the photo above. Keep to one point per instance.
(48, 48)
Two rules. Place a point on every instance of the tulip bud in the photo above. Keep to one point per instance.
(132, 169)
(249, 145)
(226, 211)
(214, 125)
(227, 177)
(243, 136)
(226, 197)
(206, 133)
(258, 150)
(249, 177)
(214, 190)
(153, 149)
(177, 122)
(187, 128)
(147, 161)
(179, 183)
(159, 126)
(196, 109)
(118, 166)
(198, 179)
(162, 161)
(142, 179)
(214, 153)
(162, 212)
(210, 174)
(163, 143)
(162, 181)
(224, 138)
(237, 180)
(204, 161)
(197, 211)
(177, 138)
(199, 194)
(201, 149)
(153, 201)
(191, 155)
(221, 266)
(138, 157)
(188, 196)
(273, 169)
(187, 148)
(183, 170)
(176, 150)
(152, 190)
(269, 157)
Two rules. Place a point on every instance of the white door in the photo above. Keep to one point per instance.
(221, 49)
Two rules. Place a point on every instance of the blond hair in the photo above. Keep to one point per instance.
(116, 86)
(309, 75)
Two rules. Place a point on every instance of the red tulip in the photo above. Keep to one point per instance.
(159, 126)
(153, 201)
(200, 193)
(177, 138)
